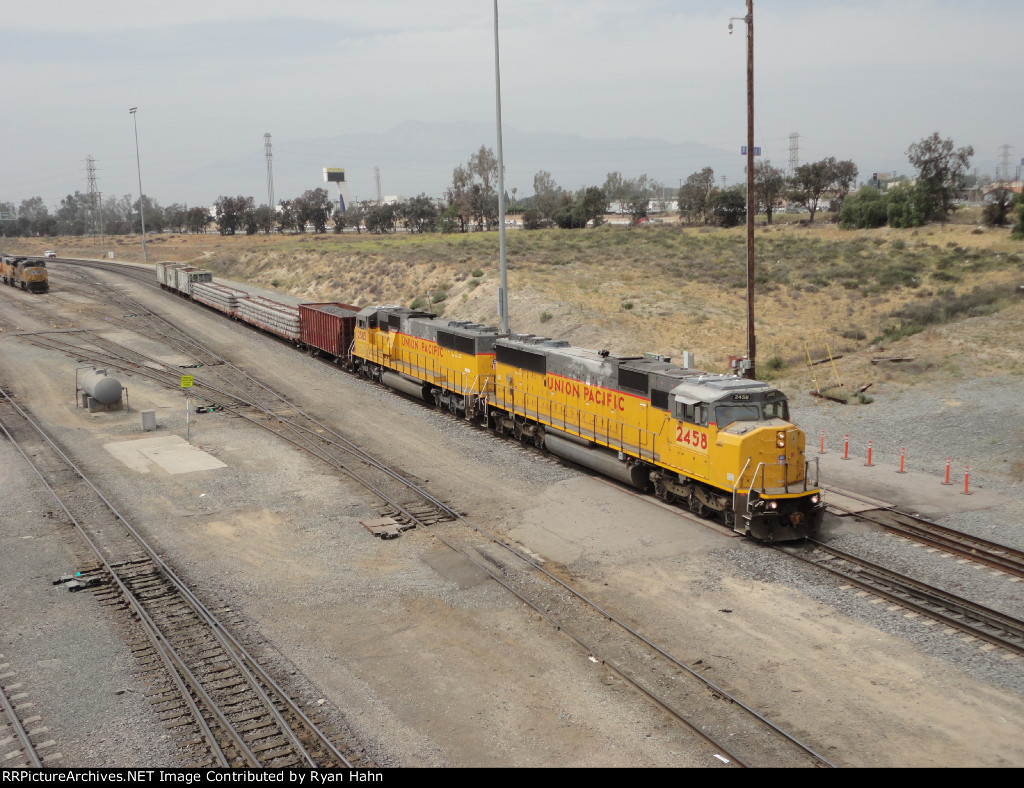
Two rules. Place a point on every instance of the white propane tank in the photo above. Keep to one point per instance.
(105, 390)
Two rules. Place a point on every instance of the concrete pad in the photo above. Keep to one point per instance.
(457, 568)
(923, 493)
(589, 519)
(171, 453)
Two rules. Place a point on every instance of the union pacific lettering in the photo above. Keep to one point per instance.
(606, 398)
(424, 346)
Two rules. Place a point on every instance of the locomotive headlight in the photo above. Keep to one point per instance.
(780, 439)
(773, 504)
(814, 500)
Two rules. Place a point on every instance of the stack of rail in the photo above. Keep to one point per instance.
(272, 316)
(221, 297)
(188, 276)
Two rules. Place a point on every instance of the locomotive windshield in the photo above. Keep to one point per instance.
(753, 411)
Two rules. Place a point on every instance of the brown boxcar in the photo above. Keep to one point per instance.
(328, 327)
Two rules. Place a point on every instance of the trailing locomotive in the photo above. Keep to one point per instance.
(28, 273)
(722, 445)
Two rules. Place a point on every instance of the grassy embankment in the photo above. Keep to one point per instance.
(656, 288)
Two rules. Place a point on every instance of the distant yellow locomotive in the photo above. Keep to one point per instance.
(25, 272)
(719, 443)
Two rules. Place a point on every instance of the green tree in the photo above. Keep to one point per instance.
(906, 205)
(313, 207)
(230, 213)
(593, 204)
(812, 181)
(420, 214)
(1018, 227)
(997, 206)
(380, 218)
(459, 196)
(197, 220)
(473, 191)
(941, 168)
(694, 196)
(532, 219)
(288, 217)
(75, 216)
(769, 187)
(546, 194)
(865, 209)
(729, 207)
(449, 221)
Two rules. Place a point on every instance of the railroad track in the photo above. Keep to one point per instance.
(20, 747)
(214, 690)
(952, 610)
(736, 734)
(910, 526)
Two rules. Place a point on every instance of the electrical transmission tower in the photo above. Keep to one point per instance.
(794, 153)
(270, 171)
(380, 194)
(1004, 164)
(95, 198)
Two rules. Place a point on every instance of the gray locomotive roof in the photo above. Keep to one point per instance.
(709, 387)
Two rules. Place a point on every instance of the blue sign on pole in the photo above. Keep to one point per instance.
(743, 150)
(341, 203)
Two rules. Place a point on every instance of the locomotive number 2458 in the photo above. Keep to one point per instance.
(699, 440)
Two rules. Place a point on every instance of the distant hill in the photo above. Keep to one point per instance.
(419, 157)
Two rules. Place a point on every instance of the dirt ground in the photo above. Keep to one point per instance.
(433, 669)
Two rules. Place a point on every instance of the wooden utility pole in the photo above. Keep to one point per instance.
(751, 341)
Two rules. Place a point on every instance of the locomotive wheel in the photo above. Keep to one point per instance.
(697, 507)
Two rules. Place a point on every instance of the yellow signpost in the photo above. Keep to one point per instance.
(186, 383)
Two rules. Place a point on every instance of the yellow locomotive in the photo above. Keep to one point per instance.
(719, 443)
(25, 272)
(447, 363)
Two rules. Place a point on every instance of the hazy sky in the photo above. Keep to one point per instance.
(859, 79)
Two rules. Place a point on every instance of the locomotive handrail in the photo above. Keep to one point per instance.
(735, 486)
(817, 471)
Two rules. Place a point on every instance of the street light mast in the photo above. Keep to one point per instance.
(503, 268)
(138, 165)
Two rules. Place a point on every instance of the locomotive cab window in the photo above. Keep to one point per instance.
(691, 411)
(776, 410)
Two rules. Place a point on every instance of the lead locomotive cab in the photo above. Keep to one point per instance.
(759, 476)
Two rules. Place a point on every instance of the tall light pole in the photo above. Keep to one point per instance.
(503, 288)
(749, 372)
(138, 165)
